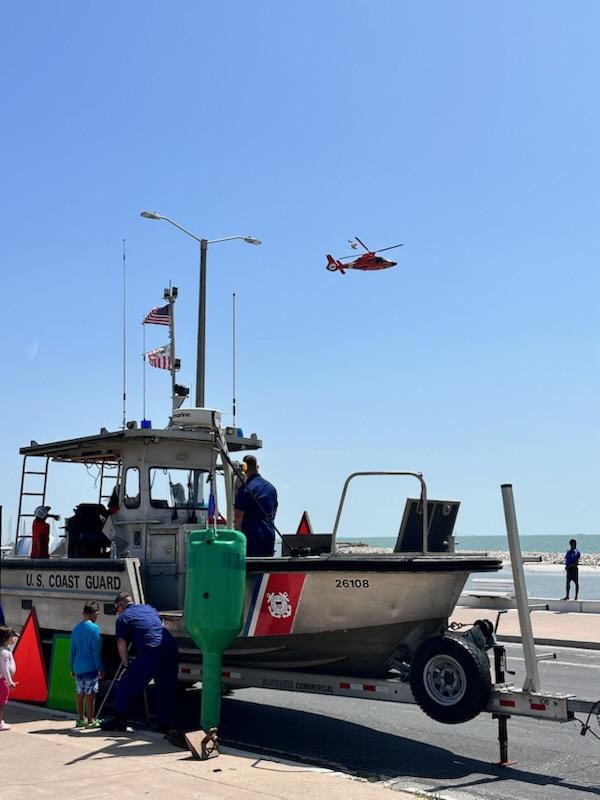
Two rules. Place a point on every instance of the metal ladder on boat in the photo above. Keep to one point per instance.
(26, 483)
(104, 494)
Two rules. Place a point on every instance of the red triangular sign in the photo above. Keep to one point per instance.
(221, 521)
(31, 672)
(305, 527)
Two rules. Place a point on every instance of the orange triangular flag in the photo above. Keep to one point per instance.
(31, 672)
(305, 527)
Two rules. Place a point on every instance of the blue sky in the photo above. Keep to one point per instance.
(467, 130)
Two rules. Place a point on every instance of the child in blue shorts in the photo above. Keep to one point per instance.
(86, 663)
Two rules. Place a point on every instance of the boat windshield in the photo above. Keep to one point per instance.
(177, 488)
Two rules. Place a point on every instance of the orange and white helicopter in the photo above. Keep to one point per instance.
(367, 261)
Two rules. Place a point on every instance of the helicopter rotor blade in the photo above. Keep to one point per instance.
(363, 244)
(347, 258)
(391, 247)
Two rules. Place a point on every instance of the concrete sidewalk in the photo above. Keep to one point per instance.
(43, 756)
(554, 628)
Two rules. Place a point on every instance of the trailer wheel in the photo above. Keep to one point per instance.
(450, 679)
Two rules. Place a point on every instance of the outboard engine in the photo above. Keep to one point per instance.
(84, 532)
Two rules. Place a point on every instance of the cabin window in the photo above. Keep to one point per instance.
(178, 488)
(131, 498)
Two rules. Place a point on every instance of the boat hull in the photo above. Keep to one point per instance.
(339, 614)
(349, 616)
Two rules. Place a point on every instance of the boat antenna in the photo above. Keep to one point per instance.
(124, 338)
(233, 355)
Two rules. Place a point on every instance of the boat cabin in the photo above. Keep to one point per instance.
(154, 488)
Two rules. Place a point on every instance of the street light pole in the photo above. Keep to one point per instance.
(201, 351)
(201, 354)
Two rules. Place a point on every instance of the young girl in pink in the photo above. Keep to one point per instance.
(7, 671)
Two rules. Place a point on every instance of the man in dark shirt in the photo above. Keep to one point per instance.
(157, 658)
(255, 509)
(572, 557)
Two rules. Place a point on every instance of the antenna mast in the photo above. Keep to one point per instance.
(233, 355)
(124, 340)
(170, 295)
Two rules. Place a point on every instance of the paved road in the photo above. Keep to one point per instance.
(400, 744)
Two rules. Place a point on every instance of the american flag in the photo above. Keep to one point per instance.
(158, 316)
(160, 358)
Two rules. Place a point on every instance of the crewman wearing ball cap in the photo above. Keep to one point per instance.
(255, 509)
(157, 658)
(40, 532)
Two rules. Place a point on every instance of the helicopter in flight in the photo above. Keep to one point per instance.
(367, 261)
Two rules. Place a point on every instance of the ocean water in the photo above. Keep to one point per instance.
(587, 543)
(542, 583)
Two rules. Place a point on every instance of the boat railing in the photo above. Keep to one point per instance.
(417, 475)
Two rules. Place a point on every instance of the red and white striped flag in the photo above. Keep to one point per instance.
(158, 316)
(160, 358)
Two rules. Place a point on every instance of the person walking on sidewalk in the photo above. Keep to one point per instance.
(8, 637)
(572, 557)
(86, 664)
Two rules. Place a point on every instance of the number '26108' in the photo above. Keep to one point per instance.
(352, 583)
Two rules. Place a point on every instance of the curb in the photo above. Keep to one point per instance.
(552, 642)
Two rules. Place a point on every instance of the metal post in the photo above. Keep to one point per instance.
(144, 371)
(201, 357)
(171, 294)
(124, 340)
(499, 661)
(532, 678)
(233, 353)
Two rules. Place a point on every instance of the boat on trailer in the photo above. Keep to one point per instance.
(314, 607)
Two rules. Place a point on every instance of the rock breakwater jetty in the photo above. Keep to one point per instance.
(587, 559)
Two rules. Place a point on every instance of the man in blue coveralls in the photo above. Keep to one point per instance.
(255, 509)
(157, 658)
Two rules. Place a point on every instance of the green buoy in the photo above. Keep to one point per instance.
(213, 614)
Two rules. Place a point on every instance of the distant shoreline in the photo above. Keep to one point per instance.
(589, 560)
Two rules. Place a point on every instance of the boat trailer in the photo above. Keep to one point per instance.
(505, 701)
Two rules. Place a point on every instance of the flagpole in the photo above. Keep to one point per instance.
(144, 368)
(124, 341)
(172, 297)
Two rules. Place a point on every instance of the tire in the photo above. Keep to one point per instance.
(450, 679)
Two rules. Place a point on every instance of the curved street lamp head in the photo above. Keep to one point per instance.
(252, 240)
(150, 215)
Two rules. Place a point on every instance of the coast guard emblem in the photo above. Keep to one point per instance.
(279, 604)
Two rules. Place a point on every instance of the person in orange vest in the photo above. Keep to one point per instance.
(40, 532)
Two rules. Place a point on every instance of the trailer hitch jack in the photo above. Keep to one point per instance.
(499, 670)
